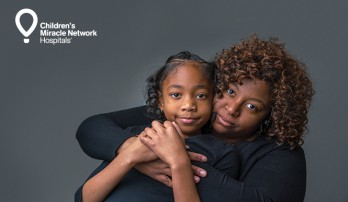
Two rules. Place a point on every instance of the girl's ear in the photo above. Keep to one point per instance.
(160, 99)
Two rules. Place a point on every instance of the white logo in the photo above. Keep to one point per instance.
(32, 27)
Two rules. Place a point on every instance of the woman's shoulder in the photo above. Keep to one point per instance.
(262, 146)
(265, 152)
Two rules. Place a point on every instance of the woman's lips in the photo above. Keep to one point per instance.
(224, 121)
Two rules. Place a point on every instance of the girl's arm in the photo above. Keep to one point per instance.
(169, 146)
(99, 187)
(102, 136)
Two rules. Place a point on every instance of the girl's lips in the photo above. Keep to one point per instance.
(187, 120)
(223, 121)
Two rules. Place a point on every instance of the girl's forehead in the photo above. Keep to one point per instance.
(187, 71)
(187, 75)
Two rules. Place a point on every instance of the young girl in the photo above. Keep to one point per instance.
(181, 92)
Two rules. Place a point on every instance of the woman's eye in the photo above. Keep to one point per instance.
(230, 91)
(251, 107)
(201, 96)
(175, 95)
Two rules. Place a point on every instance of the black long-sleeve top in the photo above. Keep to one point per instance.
(268, 172)
(136, 187)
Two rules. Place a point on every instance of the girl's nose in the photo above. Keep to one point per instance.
(189, 104)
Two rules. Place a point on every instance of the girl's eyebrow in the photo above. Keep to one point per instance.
(200, 86)
(175, 86)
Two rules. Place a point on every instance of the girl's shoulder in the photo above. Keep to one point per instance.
(210, 146)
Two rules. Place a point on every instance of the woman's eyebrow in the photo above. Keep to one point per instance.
(235, 85)
(258, 100)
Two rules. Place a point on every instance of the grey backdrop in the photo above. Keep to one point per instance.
(47, 90)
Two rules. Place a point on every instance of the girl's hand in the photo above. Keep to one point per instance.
(161, 172)
(165, 141)
(138, 152)
(197, 171)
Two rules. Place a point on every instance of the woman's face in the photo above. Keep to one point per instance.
(241, 110)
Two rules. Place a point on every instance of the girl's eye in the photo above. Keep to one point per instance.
(175, 95)
(251, 107)
(230, 91)
(201, 96)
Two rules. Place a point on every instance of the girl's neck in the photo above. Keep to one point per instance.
(191, 135)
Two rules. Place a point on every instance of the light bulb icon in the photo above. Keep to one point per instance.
(33, 25)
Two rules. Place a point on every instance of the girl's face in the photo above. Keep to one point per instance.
(186, 98)
(241, 110)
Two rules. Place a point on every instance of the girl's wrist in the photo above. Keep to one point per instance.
(128, 159)
(180, 163)
(125, 144)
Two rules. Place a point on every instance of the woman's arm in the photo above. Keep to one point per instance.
(274, 175)
(100, 136)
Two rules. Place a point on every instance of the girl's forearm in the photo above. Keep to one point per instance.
(99, 187)
(184, 187)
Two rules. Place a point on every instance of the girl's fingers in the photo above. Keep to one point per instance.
(150, 133)
(157, 126)
(178, 129)
(145, 139)
(168, 124)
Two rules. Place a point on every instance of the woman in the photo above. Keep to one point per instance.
(261, 105)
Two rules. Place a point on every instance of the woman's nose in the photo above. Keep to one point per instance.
(233, 108)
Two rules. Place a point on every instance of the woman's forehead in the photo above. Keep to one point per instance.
(253, 89)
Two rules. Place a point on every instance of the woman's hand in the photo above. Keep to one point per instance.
(157, 170)
(160, 171)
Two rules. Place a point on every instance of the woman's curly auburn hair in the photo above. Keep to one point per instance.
(291, 87)
(155, 81)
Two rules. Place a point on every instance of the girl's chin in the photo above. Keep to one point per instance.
(189, 133)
